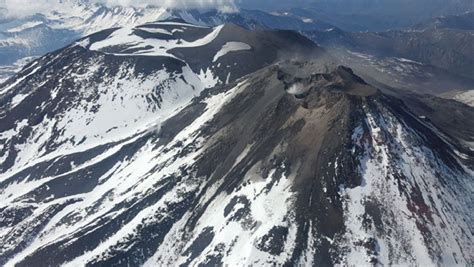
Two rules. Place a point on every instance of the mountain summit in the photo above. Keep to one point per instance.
(170, 143)
(295, 163)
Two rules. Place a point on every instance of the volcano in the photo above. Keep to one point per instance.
(175, 144)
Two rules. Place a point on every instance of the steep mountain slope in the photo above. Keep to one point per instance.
(463, 21)
(290, 164)
(124, 80)
(401, 73)
(448, 49)
(428, 59)
(45, 32)
(36, 35)
(463, 97)
(253, 19)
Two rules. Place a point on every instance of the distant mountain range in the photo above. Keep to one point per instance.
(366, 15)
(463, 21)
(45, 32)
(434, 57)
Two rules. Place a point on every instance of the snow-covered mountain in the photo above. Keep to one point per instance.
(25, 37)
(176, 144)
(130, 73)
(47, 31)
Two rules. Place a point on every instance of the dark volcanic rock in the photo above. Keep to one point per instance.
(110, 158)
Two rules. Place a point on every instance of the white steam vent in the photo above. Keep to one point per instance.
(297, 89)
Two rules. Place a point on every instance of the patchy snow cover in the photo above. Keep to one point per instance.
(157, 30)
(84, 43)
(401, 67)
(465, 97)
(30, 71)
(231, 47)
(239, 238)
(6, 71)
(17, 99)
(125, 37)
(91, 18)
(390, 160)
(140, 175)
(405, 60)
(33, 36)
(183, 24)
(135, 104)
(27, 25)
(98, 169)
(144, 182)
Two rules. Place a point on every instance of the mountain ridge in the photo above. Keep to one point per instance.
(168, 143)
(232, 155)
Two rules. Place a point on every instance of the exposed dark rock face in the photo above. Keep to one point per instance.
(252, 172)
(175, 144)
(99, 83)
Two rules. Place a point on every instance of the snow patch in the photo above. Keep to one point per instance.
(231, 47)
(125, 37)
